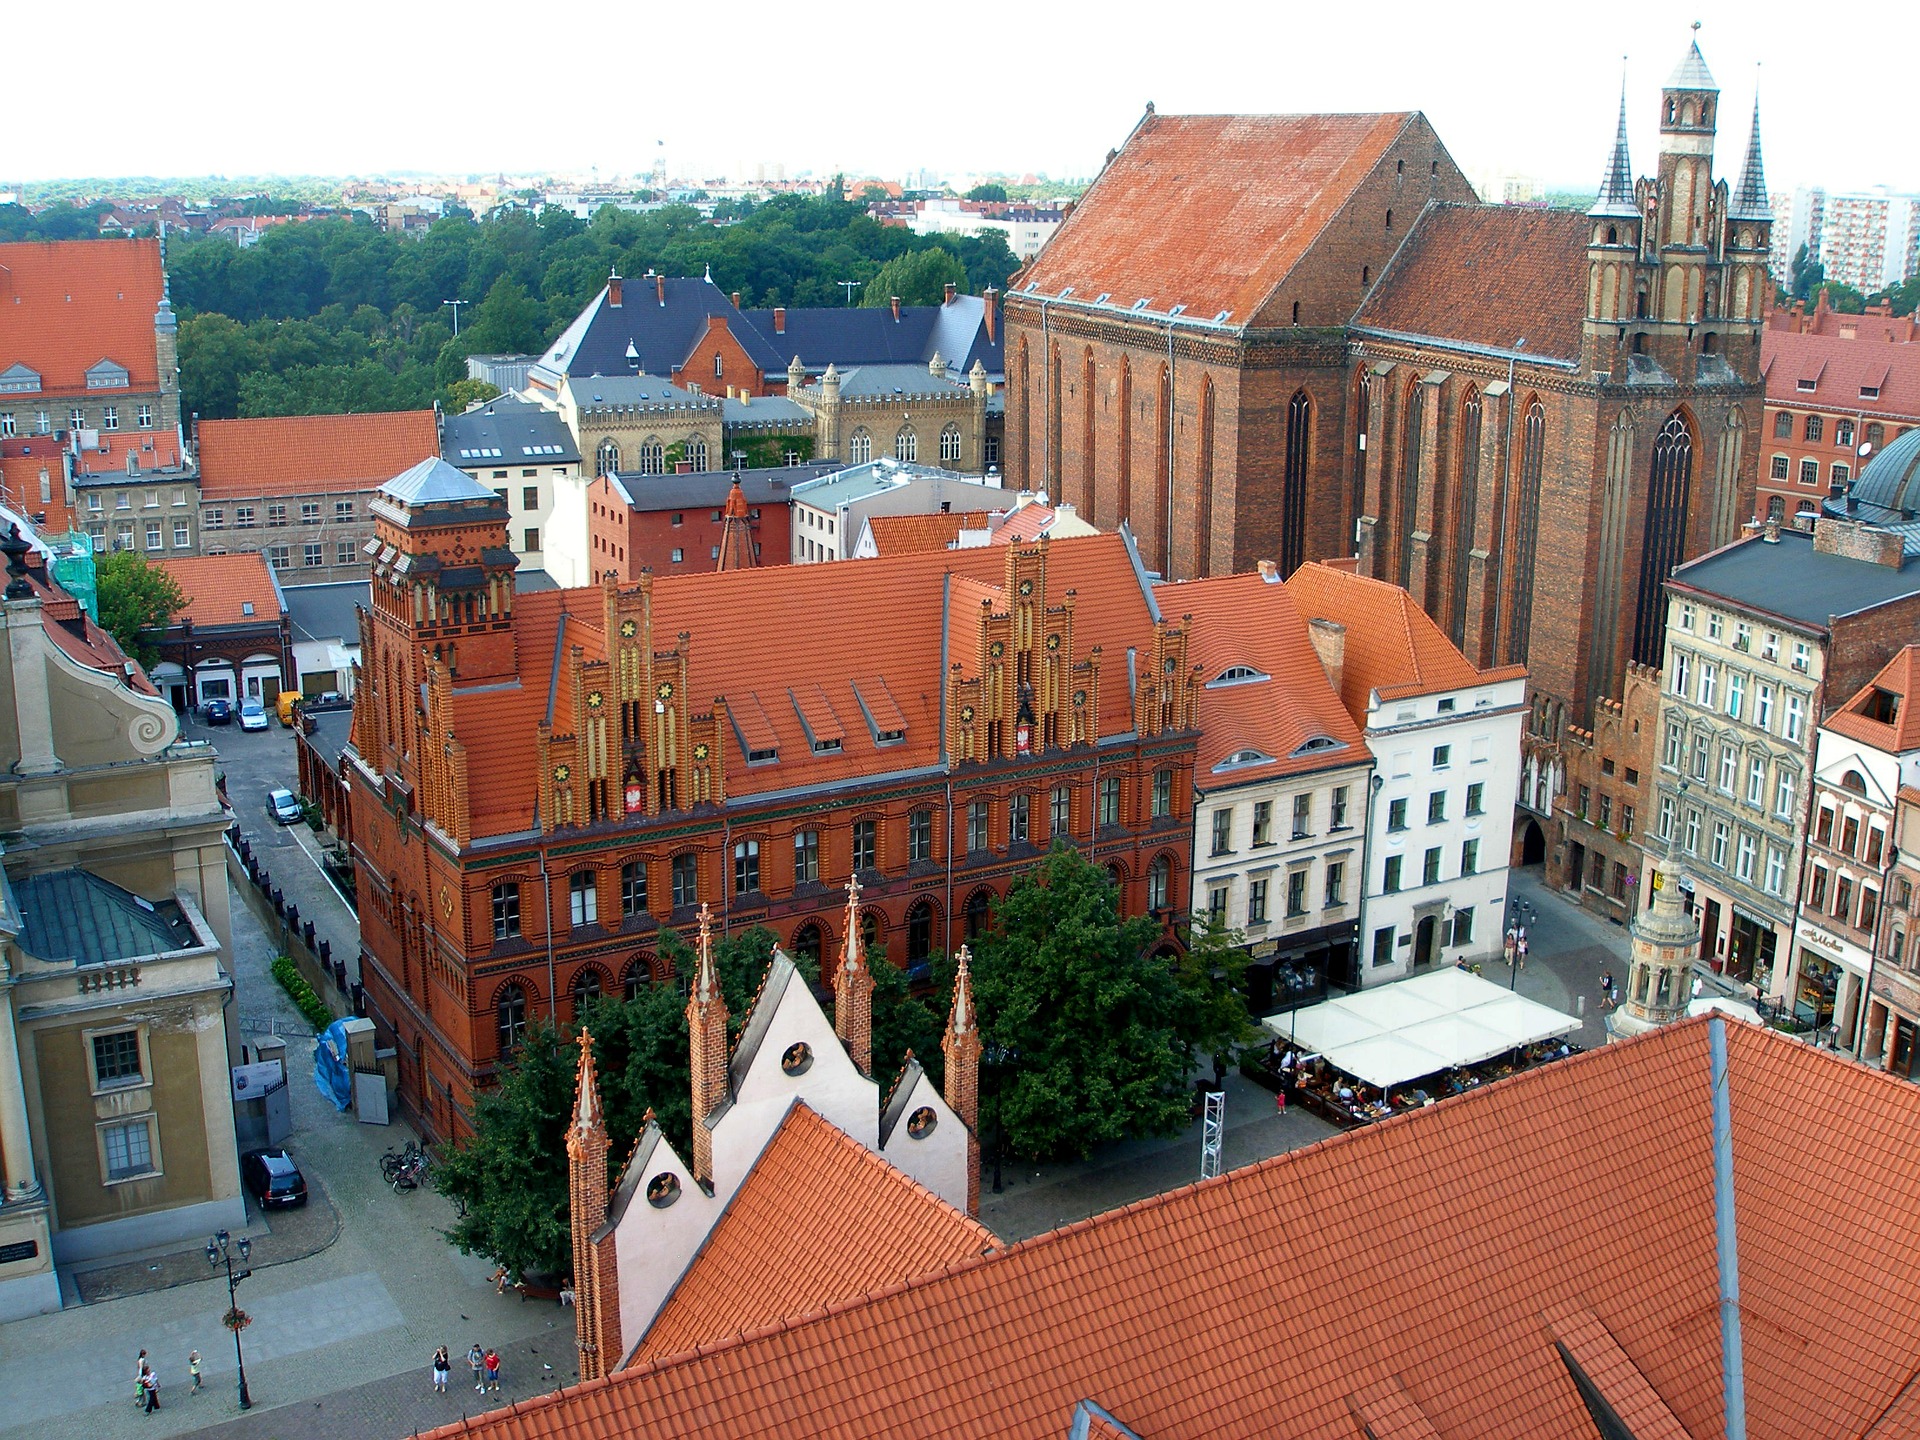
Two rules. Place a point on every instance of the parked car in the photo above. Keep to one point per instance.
(284, 806)
(217, 712)
(273, 1179)
(253, 715)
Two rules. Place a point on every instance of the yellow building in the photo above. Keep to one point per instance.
(116, 1123)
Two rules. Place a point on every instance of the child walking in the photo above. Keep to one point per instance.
(193, 1369)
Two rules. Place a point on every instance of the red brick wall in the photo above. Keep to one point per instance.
(625, 541)
(737, 369)
(1825, 453)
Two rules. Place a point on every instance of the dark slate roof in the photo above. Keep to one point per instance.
(75, 916)
(1794, 581)
(864, 381)
(858, 335)
(326, 612)
(507, 431)
(661, 334)
(708, 489)
(526, 582)
(332, 728)
(1888, 486)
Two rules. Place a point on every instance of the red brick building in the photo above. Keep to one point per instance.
(1300, 336)
(673, 524)
(543, 782)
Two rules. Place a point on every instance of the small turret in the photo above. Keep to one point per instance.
(961, 1047)
(853, 988)
(596, 1290)
(1665, 940)
(1616, 184)
(1749, 200)
(707, 1048)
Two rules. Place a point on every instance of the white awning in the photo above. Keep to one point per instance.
(1418, 1027)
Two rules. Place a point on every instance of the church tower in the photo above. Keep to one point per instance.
(1749, 234)
(1659, 978)
(961, 1048)
(1613, 252)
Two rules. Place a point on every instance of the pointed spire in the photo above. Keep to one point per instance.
(586, 1090)
(853, 988)
(1692, 73)
(1749, 201)
(960, 1019)
(1616, 185)
(961, 1047)
(595, 1267)
(707, 1047)
(706, 980)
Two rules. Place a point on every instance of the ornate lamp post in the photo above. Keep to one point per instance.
(235, 1319)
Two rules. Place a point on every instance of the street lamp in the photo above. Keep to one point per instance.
(1519, 916)
(456, 304)
(217, 1255)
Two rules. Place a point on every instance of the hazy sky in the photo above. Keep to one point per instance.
(356, 88)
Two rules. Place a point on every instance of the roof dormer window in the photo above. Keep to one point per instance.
(1236, 675)
(1241, 758)
(1807, 387)
(1869, 392)
(1316, 744)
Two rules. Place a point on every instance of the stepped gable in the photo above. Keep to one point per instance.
(1298, 1294)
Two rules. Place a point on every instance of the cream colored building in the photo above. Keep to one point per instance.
(116, 1123)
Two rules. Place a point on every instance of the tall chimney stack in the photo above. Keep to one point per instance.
(1330, 640)
(660, 288)
(896, 308)
(613, 289)
(949, 288)
(988, 315)
(779, 319)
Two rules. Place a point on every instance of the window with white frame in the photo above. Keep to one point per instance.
(182, 535)
(1736, 692)
(1721, 835)
(1756, 781)
(1692, 840)
(1796, 718)
(1675, 746)
(1666, 818)
(1783, 789)
(1743, 864)
(143, 417)
(127, 1149)
(1682, 674)
(583, 898)
(1776, 877)
(1763, 707)
(1709, 684)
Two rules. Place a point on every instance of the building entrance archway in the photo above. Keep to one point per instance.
(1423, 941)
(1533, 843)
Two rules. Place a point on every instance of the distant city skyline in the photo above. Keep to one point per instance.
(226, 89)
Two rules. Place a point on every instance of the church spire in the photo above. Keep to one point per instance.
(707, 1046)
(1750, 195)
(961, 1047)
(736, 533)
(596, 1292)
(1616, 185)
(853, 988)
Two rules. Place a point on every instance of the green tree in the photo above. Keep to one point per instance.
(1099, 1026)
(988, 192)
(1804, 275)
(464, 393)
(919, 277)
(508, 321)
(136, 599)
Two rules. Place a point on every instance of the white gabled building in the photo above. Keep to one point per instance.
(1445, 737)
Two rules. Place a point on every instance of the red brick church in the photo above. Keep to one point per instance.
(1300, 337)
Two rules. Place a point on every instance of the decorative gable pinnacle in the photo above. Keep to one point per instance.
(853, 988)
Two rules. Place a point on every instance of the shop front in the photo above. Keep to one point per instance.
(1828, 982)
(1288, 971)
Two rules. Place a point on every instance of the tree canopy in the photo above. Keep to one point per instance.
(336, 314)
(1094, 1026)
(136, 599)
(918, 278)
(987, 192)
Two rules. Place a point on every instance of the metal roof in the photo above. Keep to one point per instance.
(507, 431)
(75, 916)
(1792, 580)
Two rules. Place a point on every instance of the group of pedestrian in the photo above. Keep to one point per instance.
(485, 1365)
(146, 1381)
(1516, 946)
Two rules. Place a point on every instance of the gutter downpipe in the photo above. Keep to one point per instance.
(1733, 1375)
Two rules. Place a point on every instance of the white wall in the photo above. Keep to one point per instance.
(939, 1161)
(653, 1248)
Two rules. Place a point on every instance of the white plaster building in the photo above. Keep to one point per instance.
(830, 513)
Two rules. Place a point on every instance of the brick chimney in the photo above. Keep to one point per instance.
(962, 1050)
(736, 299)
(853, 988)
(949, 289)
(613, 289)
(779, 319)
(895, 299)
(988, 315)
(1330, 642)
(707, 1048)
(1856, 540)
(660, 288)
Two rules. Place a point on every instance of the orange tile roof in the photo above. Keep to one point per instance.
(1900, 677)
(22, 462)
(66, 305)
(1244, 620)
(1425, 1254)
(308, 454)
(819, 1219)
(902, 534)
(1260, 187)
(1488, 275)
(1839, 370)
(738, 656)
(217, 588)
(151, 449)
(1392, 646)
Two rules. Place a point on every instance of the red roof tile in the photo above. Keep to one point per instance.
(66, 305)
(1857, 718)
(1424, 1254)
(865, 1224)
(903, 534)
(151, 449)
(219, 587)
(1839, 369)
(1488, 275)
(1242, 620)
(308, 454)
(1391, 644)
(1259, 187)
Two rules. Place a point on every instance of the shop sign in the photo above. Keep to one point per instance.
(1825, 941)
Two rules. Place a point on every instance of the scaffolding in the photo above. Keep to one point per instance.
(1212, 1129)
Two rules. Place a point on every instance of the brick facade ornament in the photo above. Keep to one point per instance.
(596, 1286)
(707, 1037)
(853, 988)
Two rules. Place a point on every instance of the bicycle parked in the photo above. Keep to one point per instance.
(404, 1169)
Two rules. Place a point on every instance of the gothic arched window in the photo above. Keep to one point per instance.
(697, 453)
(906, 445)
(1466, 512)
(1533, 447)
(1293, 485)
(979, 910)
(1409, 477)
(606, 459)
(919, 932)
(587, 987)
(860, 446)
(1666, 534)
(510, 1017)
(653, 456)
(950, 445)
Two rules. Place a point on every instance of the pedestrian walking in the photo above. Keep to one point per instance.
(140, 1381)
(441, 1365)
(1606, 989)
(1520, 949)
(1508, 947)
(476, 1357)
(493, 1368)
(150, 1382)
(193, 1369)
(1280, 1103)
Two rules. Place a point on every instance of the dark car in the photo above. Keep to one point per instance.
(217, 712)
(273, 1179)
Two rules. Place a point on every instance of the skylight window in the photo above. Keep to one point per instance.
(1867, 392)
(1242, 757)
(1236, 675)
(1314, 744)
(1807, 387)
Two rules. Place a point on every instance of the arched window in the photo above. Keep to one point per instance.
(978, 912)
(950, 445)
(697, 453)
(807, 945)
(872, 930)
(1163, 471)
(1159, 882)
(1357, 485)
(1666, 531)
(1876, 433)
(1415, 415)
(1533, 447)
(1123, 447)
(653, 456)
(510, 1017)
(906, 445)
(860, 446)
(1203, 485)
(606, 459)
(1466, 511)
(919, 932)
(1783, 425)
(1089, 435)
(1293, 485)
(638, 975)
(586, 986)
(1022, 440)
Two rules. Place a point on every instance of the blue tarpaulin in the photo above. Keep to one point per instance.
(330, 1074)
